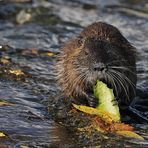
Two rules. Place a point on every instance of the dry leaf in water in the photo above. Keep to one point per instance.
(4, 103)
(93, 111)
(2, 135)
(49, 54)
(16, 72)
(130, 134)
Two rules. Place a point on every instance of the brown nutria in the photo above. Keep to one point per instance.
(99, 52)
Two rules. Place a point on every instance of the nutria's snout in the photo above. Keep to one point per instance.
(100, 67)
(99, 70)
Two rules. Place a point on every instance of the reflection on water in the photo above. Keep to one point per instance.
(50, 24)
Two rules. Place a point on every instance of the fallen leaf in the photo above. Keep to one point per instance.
(145, 136)
(106, 115)
(2, 135)
(24, 146)
(98, 123)
(130, 134)
(4, 61)
(4, 103)
(102, 114)
(121, 127)
(17, 72)
(49, 54)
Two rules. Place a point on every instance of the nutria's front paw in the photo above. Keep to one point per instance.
(92, 101)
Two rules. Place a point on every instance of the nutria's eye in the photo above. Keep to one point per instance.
(80, 40)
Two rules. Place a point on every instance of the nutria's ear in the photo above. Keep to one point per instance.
(134, 51)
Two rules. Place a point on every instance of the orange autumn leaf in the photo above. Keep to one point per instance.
(110, 127)
(121, 127)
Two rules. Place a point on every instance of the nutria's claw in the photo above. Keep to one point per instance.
(92, 101)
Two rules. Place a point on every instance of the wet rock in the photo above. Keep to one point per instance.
(23, 17)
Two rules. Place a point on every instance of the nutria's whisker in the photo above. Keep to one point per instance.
(121, 84)
(124, 68)
(129, 81)
(113, 83)
(77, 82)
(117, 82)
(121, 81)
(84, 72)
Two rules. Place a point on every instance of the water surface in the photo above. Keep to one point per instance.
(46, 26)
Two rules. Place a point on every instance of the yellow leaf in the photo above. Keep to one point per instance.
(130, 134)
(2, 135)
(145, 136)
(24, 146)
(105, 116)
(4, 61)
(49, 54)
(17, 72)
(99, 129)
(4, 103)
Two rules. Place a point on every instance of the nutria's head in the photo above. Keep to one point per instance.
(100, 52)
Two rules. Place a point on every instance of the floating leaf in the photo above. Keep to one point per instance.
(49, 54)
(130, 134)
(4, 103)
(24, 146)
(89, 110)
(107, 113)
(4, 60)
(98, 123)
(2, 135)
(121, 127)
(17, 72)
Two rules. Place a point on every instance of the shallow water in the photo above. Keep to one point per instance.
(28, 122)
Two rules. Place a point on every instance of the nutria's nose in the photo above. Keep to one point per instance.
(99, 67)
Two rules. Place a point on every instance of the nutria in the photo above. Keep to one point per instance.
(101, 52)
